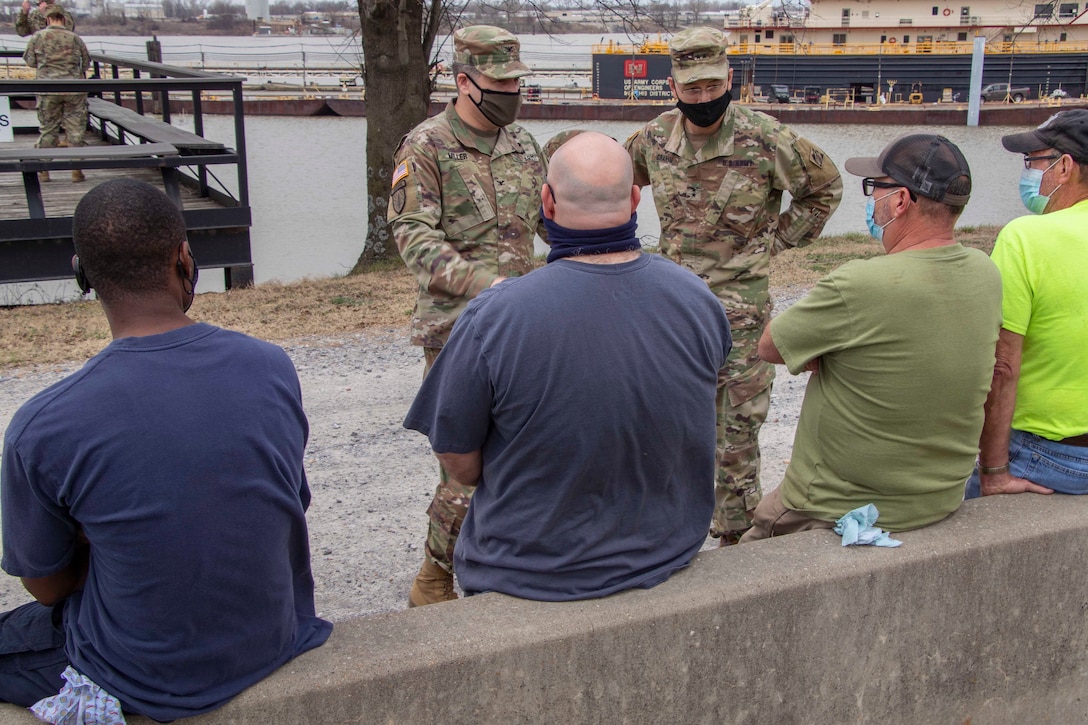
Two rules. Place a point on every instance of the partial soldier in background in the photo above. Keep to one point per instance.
(718, 172)
(59, 53)
(31, 20)
(464, 205)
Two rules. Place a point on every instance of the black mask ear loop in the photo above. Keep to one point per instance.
(191, 281)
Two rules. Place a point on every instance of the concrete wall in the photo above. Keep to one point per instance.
(980, 619)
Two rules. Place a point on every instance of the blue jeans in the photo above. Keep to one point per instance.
(1058, 466)
(31, 653)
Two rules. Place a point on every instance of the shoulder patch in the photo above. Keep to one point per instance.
(399, 197)
(818, 157)
(400, 173)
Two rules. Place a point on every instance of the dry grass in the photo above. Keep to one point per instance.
(807, 265)
(57, 333)
(48, 334)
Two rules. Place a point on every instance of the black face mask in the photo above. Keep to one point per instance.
(499, 107)
(707, 113)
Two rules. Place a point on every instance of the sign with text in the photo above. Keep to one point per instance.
(641, 77)
(7, 131)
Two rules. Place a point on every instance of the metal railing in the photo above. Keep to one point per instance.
(220, 233)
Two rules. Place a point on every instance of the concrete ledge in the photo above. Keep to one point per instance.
(982, 618)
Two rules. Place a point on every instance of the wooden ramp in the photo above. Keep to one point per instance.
(60, 195)
(130, 136)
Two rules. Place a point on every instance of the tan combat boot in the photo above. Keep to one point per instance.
(730, 538)
(77, 176)
(43, 176)
(433, 584)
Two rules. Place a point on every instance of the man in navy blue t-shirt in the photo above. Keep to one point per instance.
(579, 399)
(154, 502)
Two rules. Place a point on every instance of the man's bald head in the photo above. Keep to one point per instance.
(591, 181)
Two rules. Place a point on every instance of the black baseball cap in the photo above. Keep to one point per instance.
(924, 163)
(1066, 131)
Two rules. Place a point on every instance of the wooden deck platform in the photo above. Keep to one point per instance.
(61, 195)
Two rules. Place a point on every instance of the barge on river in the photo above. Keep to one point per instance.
(889, 48)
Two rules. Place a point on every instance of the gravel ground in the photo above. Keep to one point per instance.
(371, 479)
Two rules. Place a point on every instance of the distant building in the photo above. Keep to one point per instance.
(257, 10)
(136, 9)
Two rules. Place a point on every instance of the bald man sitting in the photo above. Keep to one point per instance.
(579, 400)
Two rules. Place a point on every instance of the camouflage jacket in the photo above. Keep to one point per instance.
(461, 215)
(30, 23)
(721, 214)
(57, 53)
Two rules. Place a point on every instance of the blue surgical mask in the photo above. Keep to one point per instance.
(876, 231)
(1030, 182)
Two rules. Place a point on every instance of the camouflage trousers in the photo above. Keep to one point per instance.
(736, 485)
(450, 503)
(62, 110)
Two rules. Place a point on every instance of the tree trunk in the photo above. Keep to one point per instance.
(396, 51)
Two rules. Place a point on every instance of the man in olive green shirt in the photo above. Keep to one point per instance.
(901, 351)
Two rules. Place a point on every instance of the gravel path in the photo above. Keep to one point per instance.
(371, 479)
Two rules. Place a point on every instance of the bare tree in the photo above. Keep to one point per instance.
(398, 39)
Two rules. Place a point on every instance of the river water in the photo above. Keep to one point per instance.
(308, 188)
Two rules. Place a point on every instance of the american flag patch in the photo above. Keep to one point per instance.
(401, 173)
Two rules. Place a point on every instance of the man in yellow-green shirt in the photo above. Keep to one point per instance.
(1035, 438)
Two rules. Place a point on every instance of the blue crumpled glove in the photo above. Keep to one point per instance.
(79, 702)
(857, 529)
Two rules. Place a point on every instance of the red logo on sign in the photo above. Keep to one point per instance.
(634, 69)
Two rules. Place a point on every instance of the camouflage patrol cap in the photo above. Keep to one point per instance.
(494, 51)
(698, 54)
(54, 11)
(559, 139)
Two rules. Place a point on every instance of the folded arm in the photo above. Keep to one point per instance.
(1000, 404)
(464, 467)
(53, 588)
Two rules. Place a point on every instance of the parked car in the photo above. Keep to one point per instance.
(812, 94)
(778, 93)
(1001, 91)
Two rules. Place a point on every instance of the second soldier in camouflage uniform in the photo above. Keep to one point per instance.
(31, 20)
(464, 206)
(58, 53)
(718, 172)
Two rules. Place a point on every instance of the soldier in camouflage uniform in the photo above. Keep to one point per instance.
(59, 53)
(718, 172)
(30, 21)
(464, 206)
